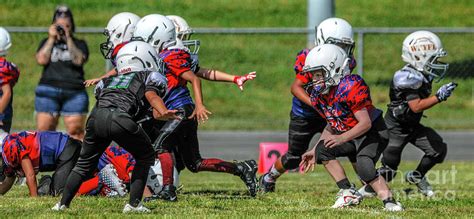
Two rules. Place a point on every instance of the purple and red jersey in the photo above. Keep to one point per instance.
(177, 62)
(9, 74)
(117, 48)
(42, 148)
(121, 159)
(299, 108)
(343, 101)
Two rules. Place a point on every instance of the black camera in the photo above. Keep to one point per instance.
(60, 30)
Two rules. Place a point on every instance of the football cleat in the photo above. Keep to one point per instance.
(391, 206)
(167, 193)
(139, 209)
(247, 170)
(367, 192)
(59, 207)
(265, 186)
(421, 182)
(347, 197)
(113, 185)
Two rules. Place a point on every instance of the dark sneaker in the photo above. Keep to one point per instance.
(44, 185)
(265, 186)
(167, 193)
(421, 182)
(248, 173)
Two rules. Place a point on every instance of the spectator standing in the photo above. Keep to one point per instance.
(60, 90)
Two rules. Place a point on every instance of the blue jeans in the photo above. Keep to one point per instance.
(59, 101)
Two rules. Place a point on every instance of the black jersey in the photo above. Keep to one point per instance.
(127, 92)
(407, 84)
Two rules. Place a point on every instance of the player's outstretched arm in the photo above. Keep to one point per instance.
(216, 75)
(160, 112)
(94, 81)
(30, 175)
(200, 112)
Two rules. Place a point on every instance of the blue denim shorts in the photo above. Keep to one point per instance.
(59, 101)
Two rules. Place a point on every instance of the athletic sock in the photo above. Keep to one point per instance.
(272, 175)
(389, 200)
(166, 161)
(344, 184)
(218, 165)
(425, 165)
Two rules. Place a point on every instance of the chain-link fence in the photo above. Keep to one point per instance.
(265, 103)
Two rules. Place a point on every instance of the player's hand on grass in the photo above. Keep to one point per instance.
(308, 160)
(333, 140)
(200, 113)
(240, 80)
(445, 91)
(91, 82)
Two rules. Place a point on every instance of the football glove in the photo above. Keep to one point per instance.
(240, 80)
(445, 91)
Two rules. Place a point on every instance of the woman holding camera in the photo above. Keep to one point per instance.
(61, 90)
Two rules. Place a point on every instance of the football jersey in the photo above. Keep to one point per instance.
(127, 92)
(299, 108)
(407, 84)
(9, 74)
(42, 148)
(121, 159)
(340, 104)
(177, 61)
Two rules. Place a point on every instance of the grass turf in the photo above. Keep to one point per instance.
(310, 195)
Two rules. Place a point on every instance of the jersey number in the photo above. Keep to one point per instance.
(121, 81)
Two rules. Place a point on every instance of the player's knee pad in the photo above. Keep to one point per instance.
(387, 173)
(290, 161)
(366, 169)
(440, 154)
(324, 154)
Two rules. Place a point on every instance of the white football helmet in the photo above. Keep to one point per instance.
(138, 56)
(155, 177)
(157, 30)
(184, 32)
(332, 60)
(119, 29)
(335, 31)
(5, 41)
(421, 50)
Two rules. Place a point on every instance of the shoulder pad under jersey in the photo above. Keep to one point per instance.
(407, 78)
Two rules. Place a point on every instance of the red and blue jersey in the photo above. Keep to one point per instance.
(177, 62)
(343, 101)
(299, 108)
(9, 74)
(42, 148)
(121, 159)
(117, 48)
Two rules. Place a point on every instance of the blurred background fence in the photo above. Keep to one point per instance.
(266, 102)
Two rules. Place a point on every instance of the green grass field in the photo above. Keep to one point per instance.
(310, 195)
(266, 102)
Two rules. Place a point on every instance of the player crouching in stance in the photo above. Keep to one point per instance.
(27, 153)
(120, 100)
(305, 122)
(409, 97)
(355, 127)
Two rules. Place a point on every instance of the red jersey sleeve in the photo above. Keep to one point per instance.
(177, 61)
(298, 67)
(359, 94)
(9, 73)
